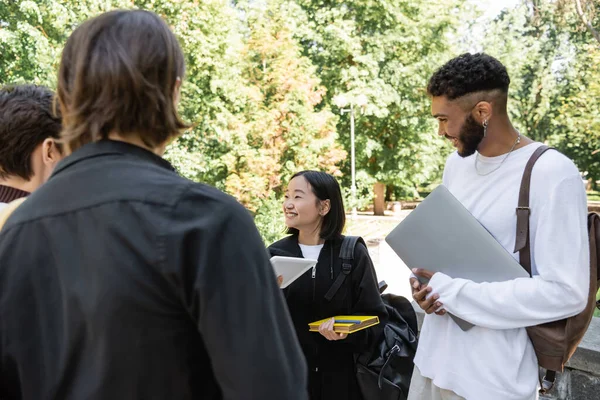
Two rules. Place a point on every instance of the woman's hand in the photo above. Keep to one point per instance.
(326, 329)
(279, 280)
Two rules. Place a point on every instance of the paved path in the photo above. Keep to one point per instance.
(391, 269)
(388, 265)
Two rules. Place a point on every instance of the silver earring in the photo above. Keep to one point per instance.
(485, 125)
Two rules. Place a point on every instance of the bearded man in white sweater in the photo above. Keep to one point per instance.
(495, 359)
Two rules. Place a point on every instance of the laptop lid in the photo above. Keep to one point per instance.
(442, 236)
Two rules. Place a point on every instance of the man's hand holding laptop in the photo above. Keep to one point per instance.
(420, 292)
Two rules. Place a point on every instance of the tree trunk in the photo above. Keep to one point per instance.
(379, 198)
(389, 192)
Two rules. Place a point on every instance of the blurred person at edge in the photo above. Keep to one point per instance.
(29, 131)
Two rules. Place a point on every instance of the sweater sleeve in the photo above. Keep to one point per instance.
(366, 300)
(560, 248)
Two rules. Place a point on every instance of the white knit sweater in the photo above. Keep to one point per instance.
(495, 359)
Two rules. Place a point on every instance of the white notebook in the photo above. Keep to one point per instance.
(291, 268)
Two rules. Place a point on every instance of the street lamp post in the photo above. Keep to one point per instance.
(341, 102)
(352, 157)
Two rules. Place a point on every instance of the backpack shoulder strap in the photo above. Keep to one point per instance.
(7, 211)
(347, 257)
(523, 211)
(348, 245)
(594, 234)
(522, 242)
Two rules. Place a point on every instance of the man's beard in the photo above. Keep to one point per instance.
(469, 137)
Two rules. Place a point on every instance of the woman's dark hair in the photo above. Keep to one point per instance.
(326, 187)
(118, 73)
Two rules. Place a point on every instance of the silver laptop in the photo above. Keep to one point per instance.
(442, 236)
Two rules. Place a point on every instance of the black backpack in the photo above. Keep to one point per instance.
(384, 371)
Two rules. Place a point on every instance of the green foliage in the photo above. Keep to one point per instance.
(364, 191)
(283, 130)
(253, 99)
(576, 129)
(385, 50)
(213, 92)
(32, 34)
(269, 219)
(553, 64)
(262, 77)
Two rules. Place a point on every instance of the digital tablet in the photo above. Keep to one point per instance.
(291, 268)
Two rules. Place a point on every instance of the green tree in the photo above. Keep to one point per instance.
(254, 100)
(385, 50)
(283, 132)
(587, 10)
(213, 93)
(577, 125)
(32, 35)
(552, 60)
(285, 127)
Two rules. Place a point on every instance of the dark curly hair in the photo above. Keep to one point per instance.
(468, 73)
(27, 119)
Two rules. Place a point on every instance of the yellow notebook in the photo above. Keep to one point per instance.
(347, 323)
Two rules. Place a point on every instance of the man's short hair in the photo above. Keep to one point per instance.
(27, 118)
(468, 73)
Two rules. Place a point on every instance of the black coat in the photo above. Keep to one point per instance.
(331, 363)
(120, 279)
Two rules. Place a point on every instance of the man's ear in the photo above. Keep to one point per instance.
(324, 207)
(482, 111)
(177, 92)
(50, 153)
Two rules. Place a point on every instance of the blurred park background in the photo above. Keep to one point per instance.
(267, 82)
